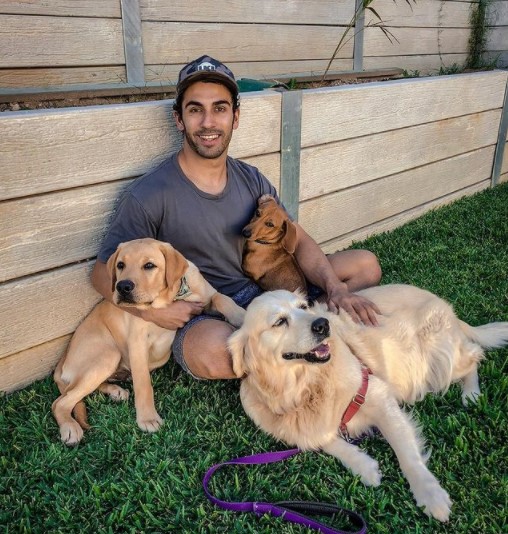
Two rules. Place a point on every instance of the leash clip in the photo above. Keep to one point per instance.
(344, 434)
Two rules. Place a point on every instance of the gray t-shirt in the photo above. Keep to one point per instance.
(164, 204)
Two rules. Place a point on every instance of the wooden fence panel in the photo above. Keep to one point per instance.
(63, 148)
(173, 42)
(418, 64)
(62, 8)
(420, 14)
(428, 35)
(40, 242)
(59, 42)
(357, 207)
(388, 106)
(498, 39)
(425, 41)
(48, 306)
(390, 223)
(51, 77)
(21, 369)
(260, 70)
(260, 12)
(498, 13)
(330, 167)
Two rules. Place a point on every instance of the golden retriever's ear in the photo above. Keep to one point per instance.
(289, 239)
(111, 267)
(176, 264)
(236, 345)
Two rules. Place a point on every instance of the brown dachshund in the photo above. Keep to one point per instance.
(268, 255)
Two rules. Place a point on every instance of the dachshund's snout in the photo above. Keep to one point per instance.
(246, 232)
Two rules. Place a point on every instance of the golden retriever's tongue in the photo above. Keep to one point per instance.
(321, 351)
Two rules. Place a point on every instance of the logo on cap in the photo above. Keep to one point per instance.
(197, 69)
(207, 66)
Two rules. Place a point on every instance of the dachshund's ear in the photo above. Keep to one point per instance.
(236, 346)
(289, 239)
(265, 198)
(111, 268)
(176, 265)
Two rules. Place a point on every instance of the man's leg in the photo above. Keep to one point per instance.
(358, 269)
(205, 351)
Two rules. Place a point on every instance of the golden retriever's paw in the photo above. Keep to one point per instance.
(470, 397)
(151, 423)
(436, 502)
(71, 433)
(369, 472)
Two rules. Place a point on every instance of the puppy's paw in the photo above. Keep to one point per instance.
(369, 472)
(150, 423)
(117, 393)
(237, 318)
(71, 433)
(435, 501)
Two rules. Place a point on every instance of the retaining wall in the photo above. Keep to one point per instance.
(348, 161)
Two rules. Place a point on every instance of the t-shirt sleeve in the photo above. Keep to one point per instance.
(130, 221)
(267, 188)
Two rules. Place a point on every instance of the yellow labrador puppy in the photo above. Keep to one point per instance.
(304, 366)
(144, 273)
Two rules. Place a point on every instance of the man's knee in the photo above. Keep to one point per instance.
(370, 266)
(358, 268)
(205, 350)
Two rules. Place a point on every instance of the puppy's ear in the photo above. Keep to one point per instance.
(265, 198)
(176, 265)
(236, 346)
(111, 267)
(289, 239)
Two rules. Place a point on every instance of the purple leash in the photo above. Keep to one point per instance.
(288, 510)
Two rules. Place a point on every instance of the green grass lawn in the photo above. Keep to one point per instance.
(120, 479)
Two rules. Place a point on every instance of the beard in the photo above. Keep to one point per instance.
(209, 152)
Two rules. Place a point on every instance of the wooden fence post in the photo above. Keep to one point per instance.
(501, 141)
(359, 30)
(132, 42)
(290, 148)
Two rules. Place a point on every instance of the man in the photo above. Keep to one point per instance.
(199, 200)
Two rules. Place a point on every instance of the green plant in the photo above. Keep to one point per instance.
(292, 84)
(411, 73)
(479, 33)
(361, 7)
(452, 69)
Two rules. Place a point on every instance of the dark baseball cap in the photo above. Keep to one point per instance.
(206, 68)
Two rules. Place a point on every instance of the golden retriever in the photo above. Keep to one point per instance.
(268, 255)
(303, 367)
(144, 273)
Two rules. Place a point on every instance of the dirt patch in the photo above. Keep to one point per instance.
(98, 98)
(81, 101)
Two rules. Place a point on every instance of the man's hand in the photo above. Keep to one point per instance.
(173, 316)
(362, 310)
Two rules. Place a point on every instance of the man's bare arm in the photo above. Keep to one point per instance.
(319, 271)
(173, 316)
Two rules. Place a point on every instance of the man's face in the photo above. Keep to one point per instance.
(207, 119)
